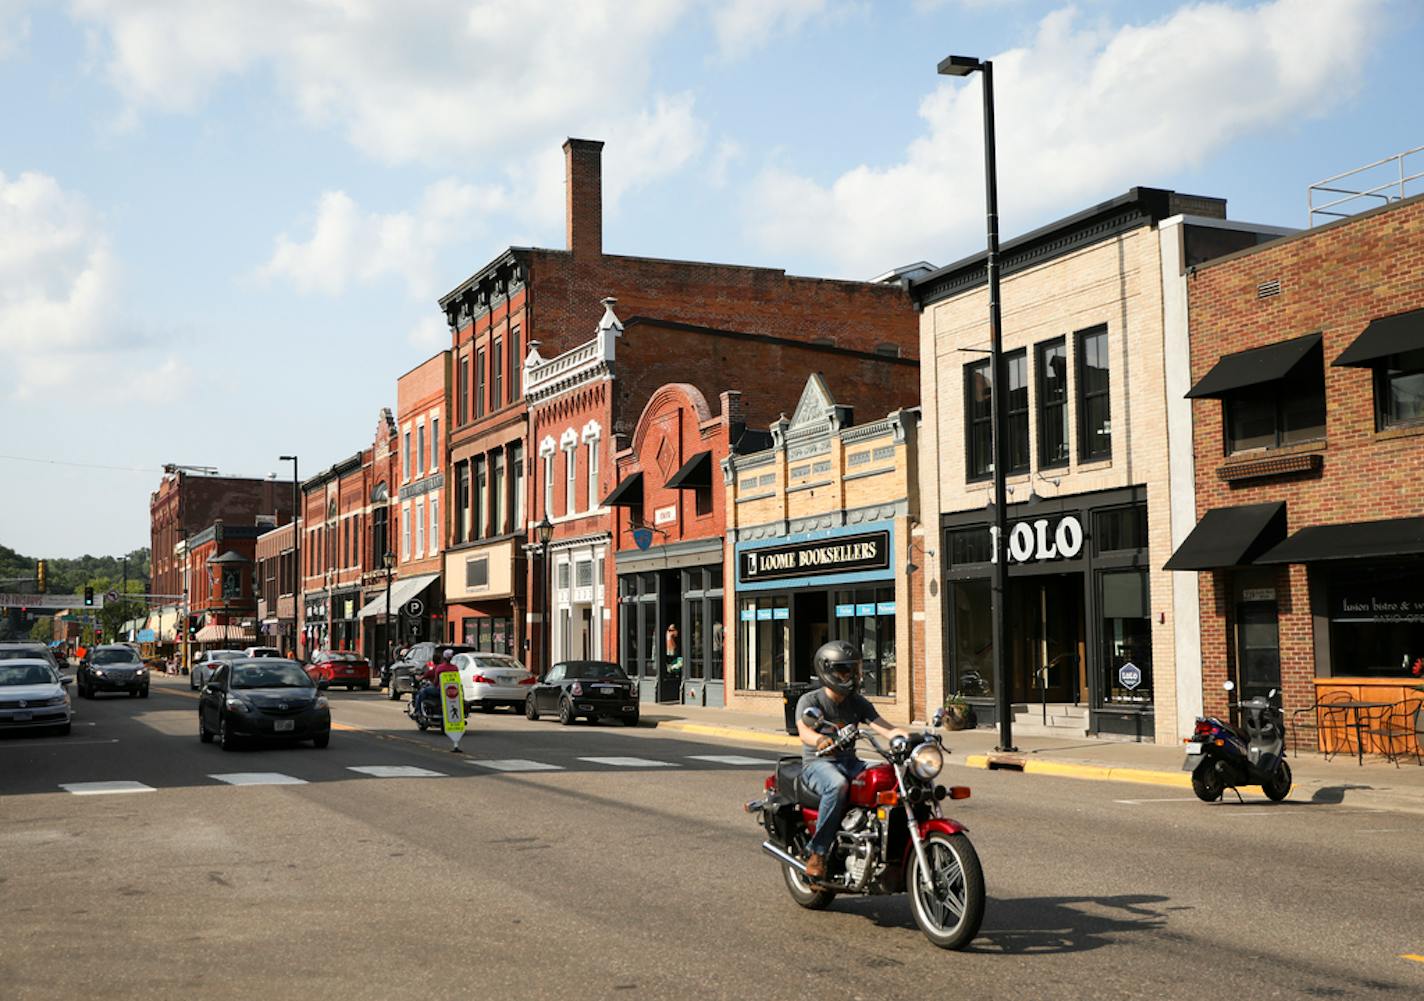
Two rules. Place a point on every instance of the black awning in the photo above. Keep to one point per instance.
(1251, 368)
(1389, 335)
(629, 493)
(1231, 537)
(695, 474)
(1351, 541)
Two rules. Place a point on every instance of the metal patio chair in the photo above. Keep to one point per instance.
(1325, 720)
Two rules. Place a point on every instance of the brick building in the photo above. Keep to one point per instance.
(423, 420)
(1307, 366)
(276, 588)
(1100, 468)
(222, 593)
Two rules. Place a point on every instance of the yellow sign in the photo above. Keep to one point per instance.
(452, 705)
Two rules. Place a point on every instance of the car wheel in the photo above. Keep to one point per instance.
(365, 687)
(226, 738)
(143, 692)
(531, 711)
(62, 730)
(485, 707)
(321, 739)
(566, 713)
(203, 734)
(631, 719)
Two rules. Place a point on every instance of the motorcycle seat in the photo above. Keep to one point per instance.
(790, 786)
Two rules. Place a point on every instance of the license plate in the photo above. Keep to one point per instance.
(23, 717)
(608, 691)
(507, 679)
(283, 725)
(1194, 748)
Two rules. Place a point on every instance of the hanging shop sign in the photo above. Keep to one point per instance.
(1129, 676)
(1041, 539)
(845, 554)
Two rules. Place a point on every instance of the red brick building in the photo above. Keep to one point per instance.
(222, 592)
(423, 420)
(276, 588)
(1308, 382)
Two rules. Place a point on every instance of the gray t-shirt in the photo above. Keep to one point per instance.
(854, 708)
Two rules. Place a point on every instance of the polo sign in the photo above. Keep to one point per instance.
(844, 554)
(1032, 540)
(452, 706)
(1129, 676)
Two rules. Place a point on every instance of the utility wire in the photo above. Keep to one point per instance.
(83, 465)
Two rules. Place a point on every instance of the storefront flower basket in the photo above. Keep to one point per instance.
(959, 714)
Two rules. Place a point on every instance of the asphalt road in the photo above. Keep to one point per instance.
(523, 869)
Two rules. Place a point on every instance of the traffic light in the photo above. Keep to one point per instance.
(41, 576)
(88, 596)
(193, 621)
(98, 633)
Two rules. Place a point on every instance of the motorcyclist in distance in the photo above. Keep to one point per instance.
(430, 682)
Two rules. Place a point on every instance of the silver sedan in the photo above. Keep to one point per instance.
(493, 679)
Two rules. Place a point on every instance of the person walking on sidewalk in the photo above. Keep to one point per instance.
(838, 668)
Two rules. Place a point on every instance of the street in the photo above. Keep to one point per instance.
(552, 861)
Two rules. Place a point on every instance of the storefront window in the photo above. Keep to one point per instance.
(973, 639)
(865, 618)
(489, 635)
(766, 637)
(970, 545)
(1123, 528)
(1376, 621)
(1127, 638)
(696, 640)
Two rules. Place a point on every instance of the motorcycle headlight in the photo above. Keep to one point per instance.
(927, 761)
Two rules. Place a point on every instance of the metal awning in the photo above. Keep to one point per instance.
(402, 590)
(1254, 367)
(1354, 540)
(629, 493)
(1231, 537)
(1389, 335)
(226, 633)
(695, 474)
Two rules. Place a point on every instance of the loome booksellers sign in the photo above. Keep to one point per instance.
(845, 554)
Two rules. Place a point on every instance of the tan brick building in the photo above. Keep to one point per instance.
(1100, 477)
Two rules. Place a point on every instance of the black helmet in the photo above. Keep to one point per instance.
(838, 667)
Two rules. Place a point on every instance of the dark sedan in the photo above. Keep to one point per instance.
(262, 699)
(113, 668)
(590, 688)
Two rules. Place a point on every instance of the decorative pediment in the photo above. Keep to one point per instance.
(816, 405)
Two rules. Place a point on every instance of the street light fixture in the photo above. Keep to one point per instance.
(998, 390)
(388, 560)
(543, 532)
(297, 577)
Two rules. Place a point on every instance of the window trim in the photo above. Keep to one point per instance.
(1040, 351)
(970, 422)
(1009, 358)
(1080, 337)
(1379, 382)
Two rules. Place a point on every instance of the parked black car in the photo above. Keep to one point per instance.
(400, 677)
(590, 688)
(262, 698)
(114, 667)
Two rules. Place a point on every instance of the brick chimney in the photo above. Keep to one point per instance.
(583, 196)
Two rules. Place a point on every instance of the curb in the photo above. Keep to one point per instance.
(1066, 770)
(730, 733)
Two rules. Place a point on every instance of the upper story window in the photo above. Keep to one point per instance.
(420, 450)
(1270, 396)
(480, 384)
(497, 494)
(1399, 389)
(405, 458)
(434, 444)
(497, 374)
(1016, 362)
(978, 421)
(570, 500)
(516, 363)
(462, 390)
(1094, 409)
(516, 477)
(478, 492)
(548, 457)
(1052, 366)
(461, 526)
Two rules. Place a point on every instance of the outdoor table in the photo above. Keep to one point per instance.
(1355, 706)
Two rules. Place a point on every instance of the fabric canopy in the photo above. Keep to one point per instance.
(1389, 335)
(1231, 537)
(1254, 367)
(629, 493)
(695, 474)
(1350, 541)
(402, 590)
(223, 634)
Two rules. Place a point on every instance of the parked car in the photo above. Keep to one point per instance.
(589, 688)
(262, 698)
(262, 651)
(405, 671)
(493, 679)
(32, 695)
(114, 667)
(204, 667)
(25, 650)
(340, 667)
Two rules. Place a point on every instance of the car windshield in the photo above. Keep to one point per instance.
(593, 669)
(20, 653)
(25, 674)
(115, 656)
(269, 676)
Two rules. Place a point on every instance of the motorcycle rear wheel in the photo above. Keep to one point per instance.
(802, 892)
(1206, 783)
(949, 905)
(1280, 785)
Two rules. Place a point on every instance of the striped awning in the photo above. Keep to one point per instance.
(223, 634)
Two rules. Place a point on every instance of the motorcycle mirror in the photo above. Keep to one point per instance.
(812, 716)
(1230, 686)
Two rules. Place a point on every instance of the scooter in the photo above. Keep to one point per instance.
(1222, 757)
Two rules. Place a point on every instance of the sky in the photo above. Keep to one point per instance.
(224, 225)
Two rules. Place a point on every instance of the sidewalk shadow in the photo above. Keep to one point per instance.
(1031, 926)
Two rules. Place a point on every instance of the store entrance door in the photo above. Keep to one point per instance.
(1047, 642)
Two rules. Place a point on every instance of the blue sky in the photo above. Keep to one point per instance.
(224, 225)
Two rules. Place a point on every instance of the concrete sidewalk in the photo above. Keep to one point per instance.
(1378, 784)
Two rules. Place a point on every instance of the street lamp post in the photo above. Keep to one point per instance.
(388, 560)
(297, 578)
(544, 531)
(998, 389)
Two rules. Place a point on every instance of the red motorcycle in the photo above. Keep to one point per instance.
(892, 839)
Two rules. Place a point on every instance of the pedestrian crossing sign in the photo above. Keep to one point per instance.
(452, 705)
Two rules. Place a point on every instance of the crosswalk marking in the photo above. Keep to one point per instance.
(104, 788)
(395, 771)
(731, 759)
(516, 765)
(259, 779)
(630, 762)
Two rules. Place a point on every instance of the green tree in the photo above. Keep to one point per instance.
(43, 629)
(115, 613)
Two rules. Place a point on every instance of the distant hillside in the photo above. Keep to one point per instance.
(68, 576)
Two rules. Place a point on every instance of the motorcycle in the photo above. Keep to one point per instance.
(893, 837)
(1221, 756)
(425, 712)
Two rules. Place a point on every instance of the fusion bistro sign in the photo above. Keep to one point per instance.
(846, 554)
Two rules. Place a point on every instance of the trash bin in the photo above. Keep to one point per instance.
(790, 695)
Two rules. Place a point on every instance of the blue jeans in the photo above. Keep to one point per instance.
(429, 696)
(830, 779)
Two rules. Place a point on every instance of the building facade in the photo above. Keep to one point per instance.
(222, 585)
(1103, 640)
(423, 421)
(1307, 369)
(276, 588)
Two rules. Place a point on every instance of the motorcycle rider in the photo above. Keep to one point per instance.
(838, 668)
(430, 683)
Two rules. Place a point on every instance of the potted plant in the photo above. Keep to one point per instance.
(958, 713)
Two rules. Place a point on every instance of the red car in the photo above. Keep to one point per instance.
(340, 667)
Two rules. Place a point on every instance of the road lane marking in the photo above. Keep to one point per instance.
(259, 779)
(1157, 799)
(516, 765)
(57, 743)
(731, 759)
(1414, 956)
(395, 771)
(105, 788)
(629, 762)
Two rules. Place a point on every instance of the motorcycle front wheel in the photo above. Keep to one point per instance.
(948, 901)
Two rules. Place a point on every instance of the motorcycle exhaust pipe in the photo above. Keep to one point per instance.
(781, 855)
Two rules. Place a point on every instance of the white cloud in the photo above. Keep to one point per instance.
(1084, 110)
(744, 25)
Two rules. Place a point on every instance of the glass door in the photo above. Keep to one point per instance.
(1258, 647)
